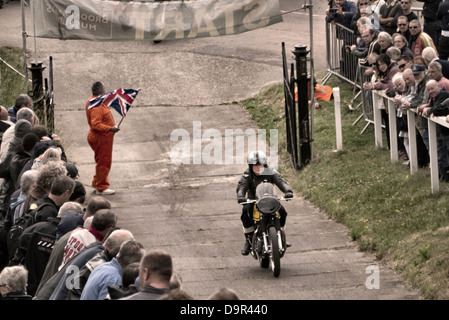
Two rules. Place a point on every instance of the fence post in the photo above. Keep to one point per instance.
(434, 177)
(411, 123)
(337, 107)
(377, 120)
(393, 131)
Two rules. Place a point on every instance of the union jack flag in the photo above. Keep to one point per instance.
(120, 100)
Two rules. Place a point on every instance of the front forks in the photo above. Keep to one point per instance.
(267, 245)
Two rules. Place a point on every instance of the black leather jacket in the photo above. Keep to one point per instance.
(246, 187)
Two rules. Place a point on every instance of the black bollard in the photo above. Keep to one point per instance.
(37, 92)
(305, 153)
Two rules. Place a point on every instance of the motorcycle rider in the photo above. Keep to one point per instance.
(258, 172)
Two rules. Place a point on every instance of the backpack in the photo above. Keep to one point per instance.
(25, 221)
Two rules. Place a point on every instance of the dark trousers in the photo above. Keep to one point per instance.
(433, 29)
(443, 49)
(386, 122)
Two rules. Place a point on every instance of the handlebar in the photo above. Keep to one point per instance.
(249, 201)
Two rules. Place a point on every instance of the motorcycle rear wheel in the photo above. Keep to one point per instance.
(275, 257)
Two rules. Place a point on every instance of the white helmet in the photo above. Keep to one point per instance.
(257, 157)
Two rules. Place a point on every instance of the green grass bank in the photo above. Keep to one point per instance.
(11, 83)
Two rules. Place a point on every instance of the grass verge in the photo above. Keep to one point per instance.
(387, 210)
(11, 84)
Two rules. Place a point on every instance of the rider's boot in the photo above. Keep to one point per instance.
(247, 246)
(287, 244)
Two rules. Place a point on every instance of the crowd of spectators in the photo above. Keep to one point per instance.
(405, 55)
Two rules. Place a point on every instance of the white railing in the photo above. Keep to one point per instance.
(393, 135)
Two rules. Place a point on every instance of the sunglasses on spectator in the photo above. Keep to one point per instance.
(401, 66)
(403, 2)
(413, 27)
(402, 24)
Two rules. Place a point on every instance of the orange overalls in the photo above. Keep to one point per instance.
(100, 139)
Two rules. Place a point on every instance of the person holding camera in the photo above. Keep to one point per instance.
(341, 11)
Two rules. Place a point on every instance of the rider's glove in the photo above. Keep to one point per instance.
(288, 195)
(240, 200)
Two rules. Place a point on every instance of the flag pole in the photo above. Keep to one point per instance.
(120, 122)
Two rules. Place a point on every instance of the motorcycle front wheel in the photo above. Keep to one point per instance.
(275, 257)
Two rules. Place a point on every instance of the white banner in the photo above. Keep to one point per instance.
(104, 20)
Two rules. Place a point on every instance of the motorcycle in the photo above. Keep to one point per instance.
(269, 242)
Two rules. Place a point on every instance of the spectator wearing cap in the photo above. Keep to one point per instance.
(417, 69)
(420, 92)
(403, 103)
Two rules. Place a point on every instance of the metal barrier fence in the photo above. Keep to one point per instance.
(345, 65)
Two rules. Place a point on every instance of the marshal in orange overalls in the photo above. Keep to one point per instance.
(100, 139)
